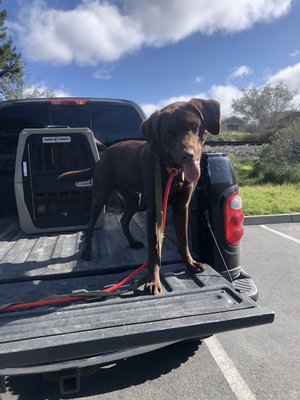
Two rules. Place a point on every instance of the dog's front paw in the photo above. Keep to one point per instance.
(195, 266)
(153, 287)
(136, 244)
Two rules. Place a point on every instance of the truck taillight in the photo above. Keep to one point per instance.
(234, 218)
(58, 101)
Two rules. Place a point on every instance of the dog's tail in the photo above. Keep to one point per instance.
(76, 176)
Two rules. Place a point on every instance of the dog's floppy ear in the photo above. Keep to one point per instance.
(149, 129)
(210, 110)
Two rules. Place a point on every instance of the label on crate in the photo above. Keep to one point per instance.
(24, 168)
(56, 139)
(86, 183)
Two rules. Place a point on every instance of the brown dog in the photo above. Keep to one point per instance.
(176, 133)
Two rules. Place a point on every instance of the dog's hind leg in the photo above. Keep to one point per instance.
(98, 202)
(132, 201)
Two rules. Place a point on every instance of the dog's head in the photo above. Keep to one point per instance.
(178, 132)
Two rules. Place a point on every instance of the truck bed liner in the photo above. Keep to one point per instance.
(33, 256)
(33, 267)
(190, 306)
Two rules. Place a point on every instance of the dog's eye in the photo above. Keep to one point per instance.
(193, 127)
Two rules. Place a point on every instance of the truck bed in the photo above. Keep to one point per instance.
(28, 258)
(34, 267)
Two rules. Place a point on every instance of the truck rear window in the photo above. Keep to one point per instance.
(14, 118)
(72, 116)
(109, 122)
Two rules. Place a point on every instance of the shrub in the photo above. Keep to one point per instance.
(280, 160)
(288, 174)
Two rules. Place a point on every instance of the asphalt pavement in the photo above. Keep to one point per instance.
(257, 363)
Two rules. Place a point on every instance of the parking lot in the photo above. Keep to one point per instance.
(257, 363)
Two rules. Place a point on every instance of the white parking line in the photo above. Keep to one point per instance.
(228, 369)
(280, 234)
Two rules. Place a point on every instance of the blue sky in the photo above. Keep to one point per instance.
(159, 51)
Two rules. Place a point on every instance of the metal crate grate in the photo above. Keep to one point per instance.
(44, 203)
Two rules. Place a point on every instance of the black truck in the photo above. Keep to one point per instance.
(41, 232)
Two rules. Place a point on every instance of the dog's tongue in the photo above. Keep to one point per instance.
(192, 171)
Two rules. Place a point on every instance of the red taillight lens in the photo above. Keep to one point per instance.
(234, 218)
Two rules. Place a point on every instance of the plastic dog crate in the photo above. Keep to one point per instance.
(45, 204)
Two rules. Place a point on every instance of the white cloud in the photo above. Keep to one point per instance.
(42, 90)
(149, 108)
(295, 53)
(62, 92)
(96, 31)
(239, 72)
(199, 79)
(87, 34)
(290, 76)
(205, 16)
(103, 72)
(223, 94)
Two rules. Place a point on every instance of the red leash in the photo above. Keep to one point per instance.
(68, 299)
(172, 173)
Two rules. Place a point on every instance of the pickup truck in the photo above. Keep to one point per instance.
(41, 230)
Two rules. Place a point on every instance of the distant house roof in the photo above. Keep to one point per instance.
(233, 118)
(232, 124)
(287, 118)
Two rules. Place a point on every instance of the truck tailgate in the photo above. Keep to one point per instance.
(33, 267)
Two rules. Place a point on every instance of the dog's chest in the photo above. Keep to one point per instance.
(180, 183)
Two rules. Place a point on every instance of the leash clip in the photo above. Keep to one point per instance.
(172, 170)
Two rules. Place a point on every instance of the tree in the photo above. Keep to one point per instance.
(22, 90)
(263, 107)
(11, 67)
(13, 84)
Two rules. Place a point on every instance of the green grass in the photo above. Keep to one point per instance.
(246, 170)
(270, 199)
